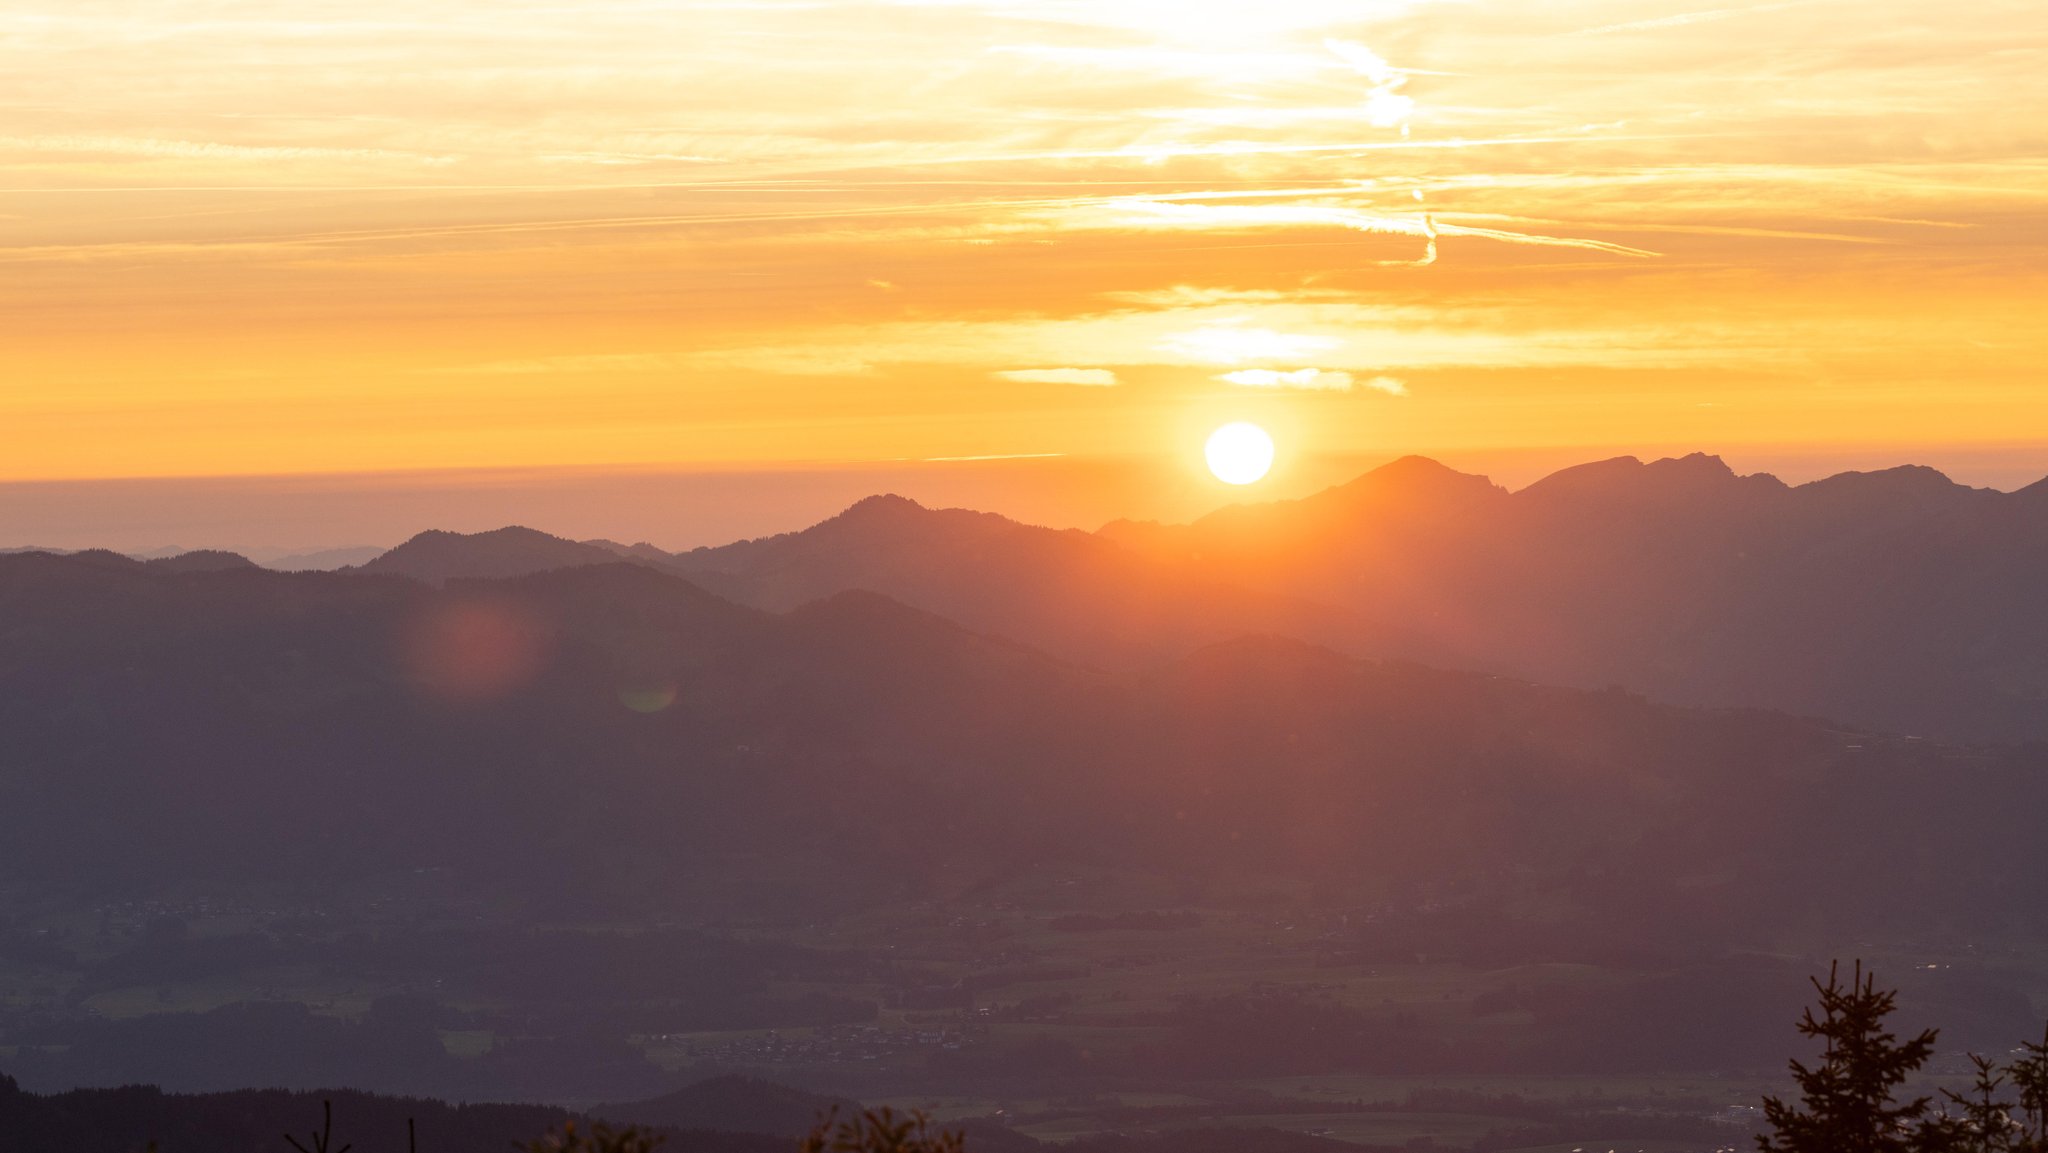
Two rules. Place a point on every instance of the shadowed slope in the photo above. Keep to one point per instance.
(250, 725)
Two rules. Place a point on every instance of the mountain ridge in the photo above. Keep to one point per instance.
(1892, 597)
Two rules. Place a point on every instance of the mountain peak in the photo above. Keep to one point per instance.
(1699, 464)
(201, 560)
(1903, 480)
(1415, 468)
(882, 505)
(1419, 476)
(1630, 480)
(437, 555)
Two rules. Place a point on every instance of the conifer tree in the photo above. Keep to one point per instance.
(596, 1138)
(1847, 1102)
(880, 1131)
(2030, 1076)
(1984, 1122)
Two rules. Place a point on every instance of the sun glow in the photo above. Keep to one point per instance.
(1239, 453)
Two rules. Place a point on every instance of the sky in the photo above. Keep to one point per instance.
(749, 238)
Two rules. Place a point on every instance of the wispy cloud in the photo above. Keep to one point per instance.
(1234, 343)
(550, 365)
(1681, 19)
(1385, 106)
(209, 149)
(1090, 377)
(1313, 380)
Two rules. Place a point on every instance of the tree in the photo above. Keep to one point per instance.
(599, 1138)
(1847, 1102)
(881, 1131)
(1985, 1124)
(323, 1141)
(2030, 1076)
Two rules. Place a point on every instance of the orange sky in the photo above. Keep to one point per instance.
(291, 236)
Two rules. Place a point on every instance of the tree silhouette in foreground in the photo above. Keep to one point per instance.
(881, 1131)
(1847, 1101)
(2030, 1076)
(598, 1138)
(323, 1141)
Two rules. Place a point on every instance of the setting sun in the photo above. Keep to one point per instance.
(1239, 453)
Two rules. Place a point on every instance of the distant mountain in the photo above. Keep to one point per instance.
(435, 556)
(1894, 599)
(326, 559)
(201, 560)
(161, 560)
(1069, 592)
(597, 737)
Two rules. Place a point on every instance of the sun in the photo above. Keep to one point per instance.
(1239, 453)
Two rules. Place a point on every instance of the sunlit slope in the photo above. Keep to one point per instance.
(1894, 599)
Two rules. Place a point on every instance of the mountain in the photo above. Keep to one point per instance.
(603, 736)
(201, 560)
(1894, 599)
(162, 560)
(435, 556)
(1068, 592)
(325, 560)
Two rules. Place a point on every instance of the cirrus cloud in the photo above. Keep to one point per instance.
(1232, 342)
(1090, 377)
(1314, 380)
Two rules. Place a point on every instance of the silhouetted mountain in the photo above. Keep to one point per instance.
(326, 559)
(1895, 599)
(599, 736)
(640, 551)
(161, 560)
(1069, 592)
(201, 560)
(435, 556)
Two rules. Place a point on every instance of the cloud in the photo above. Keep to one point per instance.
(1684, 18)
(1233, 343)
(1198, 296)
(1314, 380)
(546, 365)
(1385, 107)
(208, 149)
(1092, 377)
(1177, 212)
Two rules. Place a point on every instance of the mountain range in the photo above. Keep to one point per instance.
(612, 735)
(578, 797)
(1896, 600)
